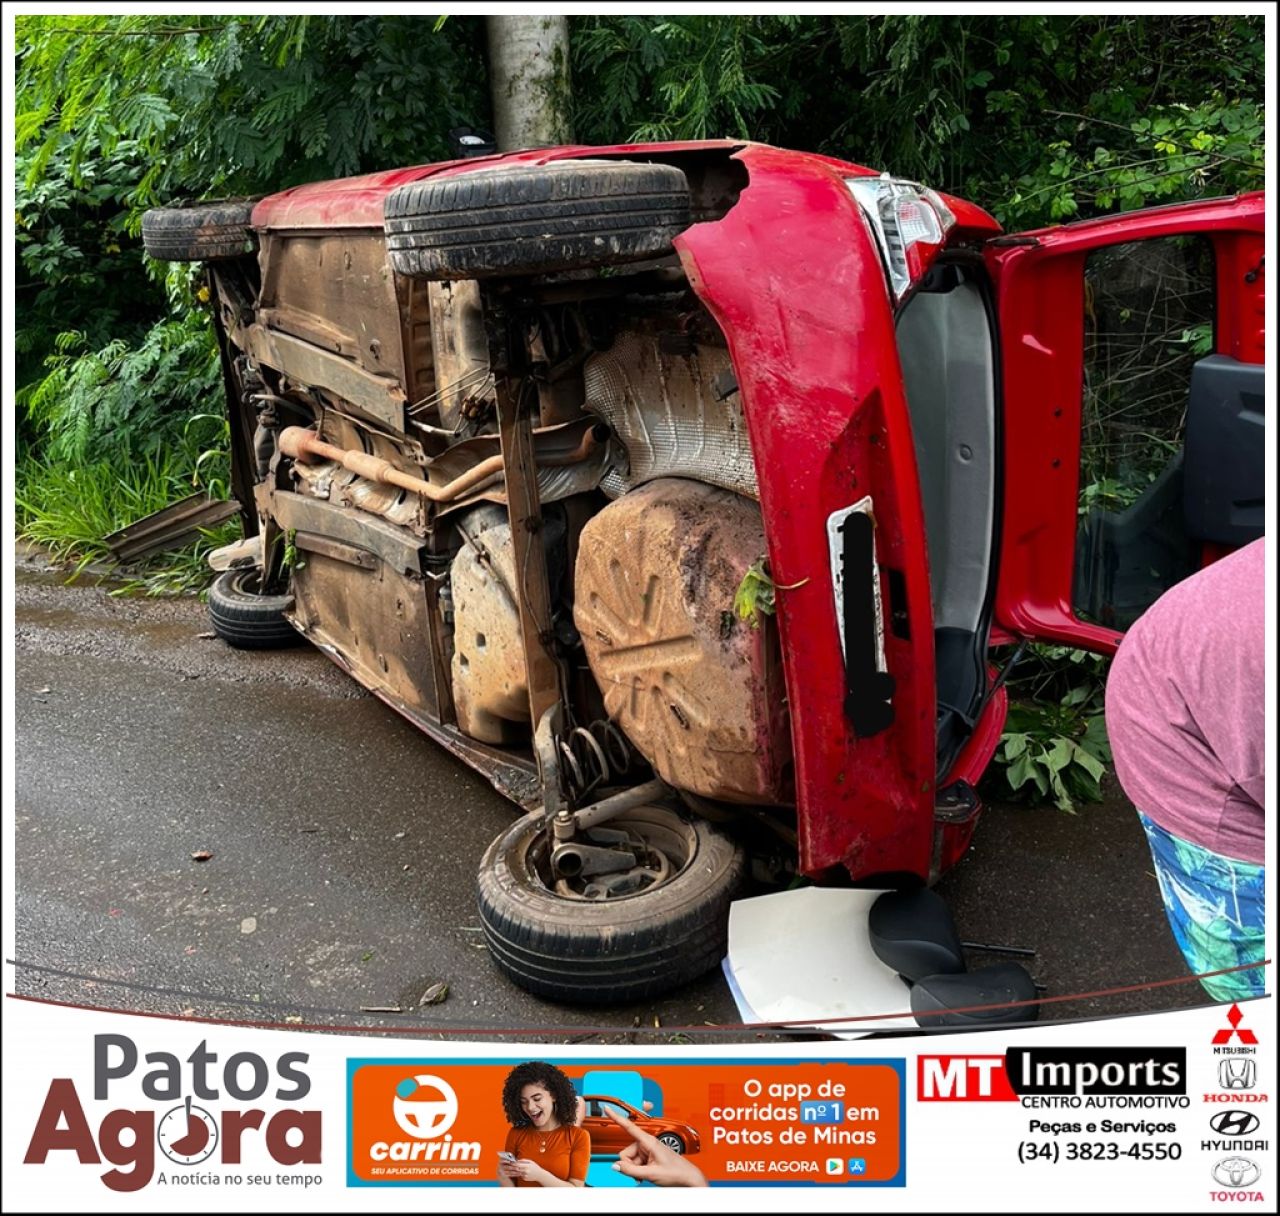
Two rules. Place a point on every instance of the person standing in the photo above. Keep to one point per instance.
(1185, 716)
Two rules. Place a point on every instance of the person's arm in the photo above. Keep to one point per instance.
(579, 1155)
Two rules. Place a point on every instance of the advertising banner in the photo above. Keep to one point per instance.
(743, 1120)
(109, 1112)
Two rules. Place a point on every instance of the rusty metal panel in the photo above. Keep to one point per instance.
(378, 398)
(663, 407)
(375, 618)
(310, 542)
(490, 692)
(169, 528)
(301, 513)
(460, 348)
(382, 620)
(699, 691)
(416, 335)
(336, 290)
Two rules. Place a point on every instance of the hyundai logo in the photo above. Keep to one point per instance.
(1234, 1123)
(1236, 1172)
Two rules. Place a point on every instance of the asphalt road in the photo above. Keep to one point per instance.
(344, 847)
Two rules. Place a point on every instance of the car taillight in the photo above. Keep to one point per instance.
(910, 223)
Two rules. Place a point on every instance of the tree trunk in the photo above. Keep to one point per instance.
(529, 77)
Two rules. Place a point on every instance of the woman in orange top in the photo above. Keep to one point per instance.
(547, 1146)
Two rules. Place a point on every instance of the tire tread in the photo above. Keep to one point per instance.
(578, 953)
(246, 620)
(535, 219)
(210, 232)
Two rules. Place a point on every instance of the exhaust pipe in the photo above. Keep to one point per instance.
(304, 445)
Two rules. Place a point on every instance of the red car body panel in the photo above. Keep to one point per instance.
(794, 279)
(1040, 291)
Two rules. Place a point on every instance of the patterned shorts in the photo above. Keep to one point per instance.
(1215, 908)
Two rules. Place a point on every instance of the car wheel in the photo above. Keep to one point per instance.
(210, 232)
(672, 1141)
(533, 219)
(242, 617)
(569, 942)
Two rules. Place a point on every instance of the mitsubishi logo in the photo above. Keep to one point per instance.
(1235, 1017)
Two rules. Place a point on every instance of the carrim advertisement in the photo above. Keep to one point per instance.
(113, 1112)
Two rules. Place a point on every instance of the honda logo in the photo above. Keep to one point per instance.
(1237, 1072)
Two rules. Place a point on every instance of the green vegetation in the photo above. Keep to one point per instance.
(1039, 118)
(116, 114)
(1055, 741)
(68, 509)
(115, 354)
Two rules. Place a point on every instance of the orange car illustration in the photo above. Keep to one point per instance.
(608, 1138)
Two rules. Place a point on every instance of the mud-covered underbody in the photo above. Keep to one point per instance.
(518, 509)
(591, 515)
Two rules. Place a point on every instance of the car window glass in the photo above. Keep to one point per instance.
(1149, 316)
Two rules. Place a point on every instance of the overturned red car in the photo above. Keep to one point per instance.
(684, 489)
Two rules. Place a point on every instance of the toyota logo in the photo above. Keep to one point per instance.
(1236, 1172)
(1234, 1123)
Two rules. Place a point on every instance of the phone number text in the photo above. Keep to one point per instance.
(1097, 1150)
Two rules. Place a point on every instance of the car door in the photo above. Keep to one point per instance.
(1133, 408)
(606, 1135)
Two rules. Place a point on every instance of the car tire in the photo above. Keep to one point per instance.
(610, 951)
(673, 1142)
(210, 232)
(535, 219)
(246, 619)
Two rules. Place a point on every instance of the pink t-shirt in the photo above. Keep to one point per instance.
(1185, 707)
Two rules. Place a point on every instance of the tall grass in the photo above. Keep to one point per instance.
(68, 511)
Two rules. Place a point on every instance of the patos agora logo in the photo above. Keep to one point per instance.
(425, 1107)
(236, 1121)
